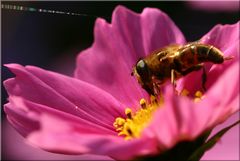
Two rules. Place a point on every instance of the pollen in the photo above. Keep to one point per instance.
(184, 92)
(198, 96)
(134, 123)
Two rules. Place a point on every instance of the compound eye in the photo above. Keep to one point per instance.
(143, 70)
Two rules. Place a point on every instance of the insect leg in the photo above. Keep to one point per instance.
(156, 86)
(173, 81)
(204, 78)
(156, 89)
(174, 75)
(191, 69)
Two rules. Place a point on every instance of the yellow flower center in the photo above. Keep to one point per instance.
(134, 123)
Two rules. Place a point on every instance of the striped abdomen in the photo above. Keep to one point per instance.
(194, 54)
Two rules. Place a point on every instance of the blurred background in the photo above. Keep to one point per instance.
(52, 41)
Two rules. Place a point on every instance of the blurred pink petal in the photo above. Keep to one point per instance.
(21, 121)
(15, 148)
(228, 146)
(214, 6)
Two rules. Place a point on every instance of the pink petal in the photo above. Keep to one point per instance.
(182, 119)
(224, 97)
(35, 110)
(63, 133)
(20, 120)
(63, 93)
(15, 148)
(62, 139)
(228, 146)
(175, 121)
(117, 47)
(158, 30)
(224, 37)
(60, 130)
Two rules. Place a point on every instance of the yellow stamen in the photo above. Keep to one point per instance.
(143, 103)
(128, 113)
(134, 123)
(153, 100)
(198, 96)
(184, 92)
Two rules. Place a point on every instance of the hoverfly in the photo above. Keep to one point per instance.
(173, 62)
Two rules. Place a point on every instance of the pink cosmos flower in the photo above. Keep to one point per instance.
(75, 115)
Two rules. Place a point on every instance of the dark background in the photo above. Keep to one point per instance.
(52, 41)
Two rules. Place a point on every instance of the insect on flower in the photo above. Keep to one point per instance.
(102, 110)
(173, 62)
